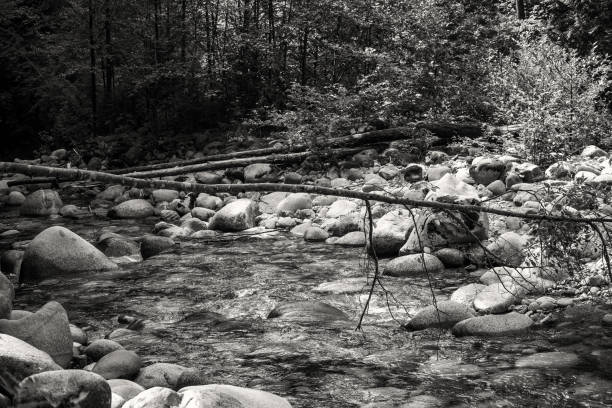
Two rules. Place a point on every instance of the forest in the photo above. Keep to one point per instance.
(289, 203)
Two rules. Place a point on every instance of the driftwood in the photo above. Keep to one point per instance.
(77, 174)
(443, 131)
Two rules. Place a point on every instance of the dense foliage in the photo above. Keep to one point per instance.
(144, 73)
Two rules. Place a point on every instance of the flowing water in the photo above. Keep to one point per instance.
(205, 305)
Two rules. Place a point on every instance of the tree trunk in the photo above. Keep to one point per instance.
(183, 29)
(520, 9)
(304, 56)
(92, 68)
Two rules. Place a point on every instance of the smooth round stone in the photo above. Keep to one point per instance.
(444, 314)
(165, 375)
(498, 297)
(15, 198)
(606, 319)
(466, 294)
(157, 397)
(232, 396)
(409, 265)
(553, 359)
(41, 202)
(78, 335)
(202, 213)
(315, 234)
(125, 388)
(122, 364)
(101, 347)
(238, 215)
(136, 208)
(293, 203)
(450, 257)
(354, 238)
(151, 245)
(62, 388)
(21, 359)
(493, 325)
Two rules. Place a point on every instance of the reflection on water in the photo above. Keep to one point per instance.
(205, 305)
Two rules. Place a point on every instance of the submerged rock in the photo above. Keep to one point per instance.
(47, 330)
(65, 388)
(57, 251)
(553, 359)
(308, 311)
(444, 314)
(493, 325)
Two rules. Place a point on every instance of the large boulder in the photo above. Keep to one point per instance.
(493, 325)
(63, 389)
(235, 216)
(57, 251)
(41, 202)
(498, 297)
(293, 203)
(122, 364)
(21, 359)
(47, 330)
(410, 265)
(444, 314)
(136, 208)
(451, 189)
(221, 395)
(391, 232)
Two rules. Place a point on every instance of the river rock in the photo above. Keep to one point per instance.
(553, 359)
(161, 375)
(498, 297)
(388, 171)
(307, 311)
(101, 347)
(21, 359)
(122, 364)
(151, 245)
(238, 215)
(486, 170)
(221, 395)
(528, 192)
(111, 193)
(410, 265)
(493, 325)
(7, 295)
(466, 294)
(207, 177)
(57, 251)
(435, 173)
(208, 201)
(163, 194)
(593, 152)
(125, 388)
(366, 158)
(15, 199)
(451, 257)
(47, 330)
(202, 213)
(293, 203)
(444, 314)
(374, 182)
(258, 172)
(343, 225)
(157, 397)
(497, 187)
(354, 238)
(136, 208)
(390, 232)
(62, 388)
(10, 262)
(341, 208)
(508, 249)
(41, 202)
(116, 245)
(315, 234)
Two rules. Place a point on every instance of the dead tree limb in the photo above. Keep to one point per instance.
(78, 174)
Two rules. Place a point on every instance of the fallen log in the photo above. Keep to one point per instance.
(443, 131)
(78, 174)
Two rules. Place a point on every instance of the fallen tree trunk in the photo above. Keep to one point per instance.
(444, 131)
(226, 164)
(78, 174)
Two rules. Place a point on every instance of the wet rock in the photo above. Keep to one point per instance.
(41, 203)
(116, 245)
(78, 335)
(409, 265)
(71, 211)
(194, 224)
(553, 359)
(15, 199)
(258, 172)
(498, 297)
(341, 208)
(508, 249)
(170, 216)
(315, 234)
(162, 375)
(293, 203)
(125, 388)
(486, 170)
(166, 195)
(435, 173)
(444, 314)
(451, 257)
(208, 201)
(221, 395)
(101, 347)
(466, 294)
(343, 225)
(136, 208)
(355, 238)
(62, 388)
(156, 397)
(47, 330)
(21, 359)
(342, 286)
(493, 325)
(307, 311)
(207, 177)
(122, 364)
(57, 251)
(390, 232)
(235, 216)
(111, 193)
(10, 262)
(151, 245)
(202, 213)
